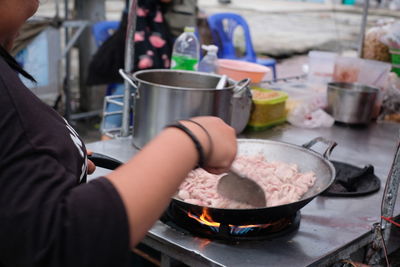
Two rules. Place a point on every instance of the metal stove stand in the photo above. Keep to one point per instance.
(331, 228)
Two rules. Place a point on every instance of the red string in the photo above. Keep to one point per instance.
(391, 220)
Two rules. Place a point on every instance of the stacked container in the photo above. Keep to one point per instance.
(268, 108)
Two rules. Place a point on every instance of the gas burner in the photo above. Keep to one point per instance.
(204, 227)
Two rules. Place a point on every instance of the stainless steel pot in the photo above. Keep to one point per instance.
(351, 103)
(163, 96)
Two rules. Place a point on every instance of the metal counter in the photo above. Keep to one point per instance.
(330, 228)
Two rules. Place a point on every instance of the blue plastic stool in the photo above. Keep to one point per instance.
(102, 30)
(222, 26)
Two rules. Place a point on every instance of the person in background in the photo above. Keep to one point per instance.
(49, 215)
(180, 14)
(153, 47)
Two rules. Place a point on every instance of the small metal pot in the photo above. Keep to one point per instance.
(163, 96)
(351, 103)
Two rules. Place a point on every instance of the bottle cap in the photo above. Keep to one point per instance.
(189, 29)
(210, 48)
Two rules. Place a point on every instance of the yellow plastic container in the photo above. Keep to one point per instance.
(268, 108)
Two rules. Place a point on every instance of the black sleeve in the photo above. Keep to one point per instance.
(45, 220)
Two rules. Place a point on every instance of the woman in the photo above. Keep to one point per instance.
(48, 215)
(153, 45)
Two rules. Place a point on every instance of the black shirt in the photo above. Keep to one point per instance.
(48, 215)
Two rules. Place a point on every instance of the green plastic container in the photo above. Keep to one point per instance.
(396, 69)
(395, 56)
(268, 112)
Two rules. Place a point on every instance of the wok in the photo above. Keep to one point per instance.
(303, 156)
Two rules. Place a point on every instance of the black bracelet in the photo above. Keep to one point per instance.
(196, 141)
(208, 136)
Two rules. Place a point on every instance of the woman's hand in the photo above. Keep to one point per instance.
(148, 180)
(91, 167)
(222, 151)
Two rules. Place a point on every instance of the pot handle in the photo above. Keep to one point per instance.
(328, 151)
(130, 80)
(241, 87)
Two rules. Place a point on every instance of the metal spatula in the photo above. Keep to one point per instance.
(241, 189)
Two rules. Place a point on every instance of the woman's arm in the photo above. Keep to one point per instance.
(147, 182)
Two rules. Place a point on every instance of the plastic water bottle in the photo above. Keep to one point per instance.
(186, 51)
(209, 63)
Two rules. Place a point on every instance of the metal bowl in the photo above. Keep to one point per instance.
(351, 103)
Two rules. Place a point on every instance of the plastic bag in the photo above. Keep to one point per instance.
(310, 115)
(392, 37)
(373, 47)
(390, 109)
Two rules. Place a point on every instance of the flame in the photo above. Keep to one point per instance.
(206, 219)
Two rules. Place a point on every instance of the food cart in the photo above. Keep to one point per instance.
(326, 231)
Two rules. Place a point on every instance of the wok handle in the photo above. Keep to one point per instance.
(104, 161)
(328, 151)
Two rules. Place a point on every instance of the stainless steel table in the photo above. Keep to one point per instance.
(330, 228)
